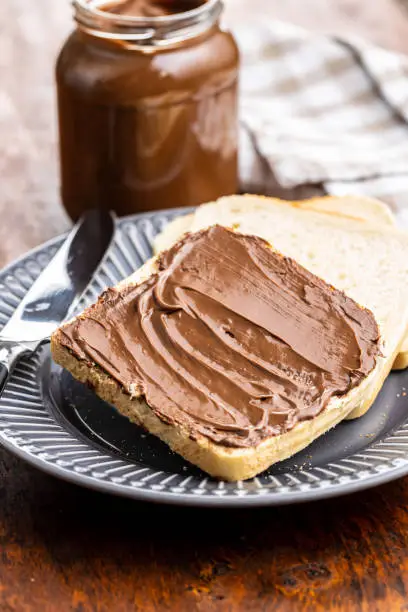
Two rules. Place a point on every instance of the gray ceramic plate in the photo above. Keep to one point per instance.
(59, 426)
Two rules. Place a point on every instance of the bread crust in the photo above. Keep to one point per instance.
(219, 461)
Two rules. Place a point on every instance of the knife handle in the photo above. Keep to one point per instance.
(10, 353)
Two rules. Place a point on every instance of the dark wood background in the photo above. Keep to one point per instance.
(67, 549)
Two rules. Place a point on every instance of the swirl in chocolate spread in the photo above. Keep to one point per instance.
(229, 339)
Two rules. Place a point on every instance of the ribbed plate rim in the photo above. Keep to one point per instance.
(381, 473)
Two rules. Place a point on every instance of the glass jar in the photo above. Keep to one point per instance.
(147, 108)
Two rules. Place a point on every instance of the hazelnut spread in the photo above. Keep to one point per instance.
(229, 339)
(147, 106)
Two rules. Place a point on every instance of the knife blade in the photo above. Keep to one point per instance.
(57, 290)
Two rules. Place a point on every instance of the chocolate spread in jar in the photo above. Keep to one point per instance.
(147, 127)
(229, 340)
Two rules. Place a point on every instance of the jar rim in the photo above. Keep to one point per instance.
(87, 5)
(160, 31)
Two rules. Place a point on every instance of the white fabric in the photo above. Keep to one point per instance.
(322, 111)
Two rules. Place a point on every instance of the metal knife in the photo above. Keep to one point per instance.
(57, 290)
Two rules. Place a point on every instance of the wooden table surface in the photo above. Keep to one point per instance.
(67, 549)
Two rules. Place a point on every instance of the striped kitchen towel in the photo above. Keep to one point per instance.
(322, 114)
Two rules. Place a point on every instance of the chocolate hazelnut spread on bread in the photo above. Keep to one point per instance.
(229, 339)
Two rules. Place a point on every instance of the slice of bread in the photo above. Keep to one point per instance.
(358, 209)
(236, 210)
(232, 463)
